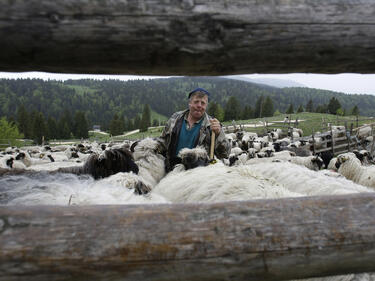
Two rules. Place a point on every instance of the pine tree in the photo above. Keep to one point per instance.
(300, 109)
(137, 122)
(309, 106)
(23, 121)
(268, 108)
(333, 105)
(212, 107)
(355, 110)
(51, 129)
(258, 107)
(39, 128)
(232, 109)
(321, 109)
(115, 127)
(146, 118)
(64, 131)
(80, 125)
(219, 113)
(290, 109)
(247, 113)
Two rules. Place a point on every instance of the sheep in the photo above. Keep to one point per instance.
(26, 159)
(192, 158)
(304, 181)
(248, 138)
(266, 152)
(279, 144)
(351, 168)
(364, 156)
(98, 166)
(9, 162)
(276, 134)
(236, 151)
(363, 132)
(103, 165)
(338, 131)
(218, 182)
(299, 151)
(314, 163)
(326, 157)
(68, 189)
(148, 156)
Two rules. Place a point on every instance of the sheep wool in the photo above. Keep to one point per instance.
(302, 180)
(216, 183)
(150, 162)
(352, 169)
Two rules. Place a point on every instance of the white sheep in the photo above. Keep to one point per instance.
(9, 162)
(351, 168)
(314, 163)
(150, 161)
(26, 159)
(338, 131)
(304, 181)
(311, 162)
(364, 132)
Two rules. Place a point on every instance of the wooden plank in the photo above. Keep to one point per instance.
(159, 37)
(281, 239)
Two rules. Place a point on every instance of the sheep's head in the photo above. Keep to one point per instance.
(110, 162)
(21, 156)
(318, 161)
(232, 159)
(341, 159)
(239, 135)
(194, 157)
(9, 162)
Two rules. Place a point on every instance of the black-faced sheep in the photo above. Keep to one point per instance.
(351, 168)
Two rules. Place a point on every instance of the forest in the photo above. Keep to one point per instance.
(72, 106)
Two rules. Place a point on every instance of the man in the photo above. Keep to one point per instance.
(193, 127)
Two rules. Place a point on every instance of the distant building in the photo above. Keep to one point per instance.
(96, 128)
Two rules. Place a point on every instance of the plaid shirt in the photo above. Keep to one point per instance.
(171, 133)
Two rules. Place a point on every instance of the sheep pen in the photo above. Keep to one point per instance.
(256, 239)
(189, 195)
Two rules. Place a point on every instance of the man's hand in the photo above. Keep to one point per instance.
(215, 126)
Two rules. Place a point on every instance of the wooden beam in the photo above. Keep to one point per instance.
(160, 37)
(252, 240)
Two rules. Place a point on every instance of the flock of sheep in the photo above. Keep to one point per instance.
(270, 166)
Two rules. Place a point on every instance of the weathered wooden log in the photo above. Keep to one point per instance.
(251, 240)
(186, 37)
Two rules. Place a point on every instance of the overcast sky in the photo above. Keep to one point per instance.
(347, 82)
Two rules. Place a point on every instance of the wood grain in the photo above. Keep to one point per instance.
(187, 37)
(252, 240)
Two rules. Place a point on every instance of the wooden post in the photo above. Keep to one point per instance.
(347, 134)
(313, 142)
(372, 143)
(282, 239)
(333, 141)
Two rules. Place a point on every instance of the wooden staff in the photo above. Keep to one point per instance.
(212, 147)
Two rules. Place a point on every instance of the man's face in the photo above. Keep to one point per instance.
(198, 106)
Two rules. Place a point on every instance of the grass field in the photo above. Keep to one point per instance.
(308, 122)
